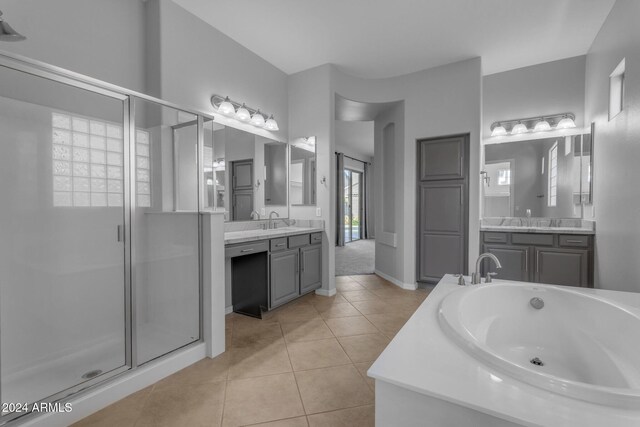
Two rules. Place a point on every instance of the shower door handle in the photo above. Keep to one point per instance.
(120, 233)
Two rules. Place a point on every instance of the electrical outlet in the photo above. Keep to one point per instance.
(318, 211)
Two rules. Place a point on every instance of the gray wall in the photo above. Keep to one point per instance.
(102, 39)
(550, 88)
(617, 149)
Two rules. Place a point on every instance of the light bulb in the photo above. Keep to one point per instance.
(498, 130)
(227, 108)
(257, 119)
(243, 114)
(566, 123)
(271, 124)
(518, 129)
(542, 125)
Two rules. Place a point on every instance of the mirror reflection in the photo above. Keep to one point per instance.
(302, 171)
(245, 174)
(538, 178)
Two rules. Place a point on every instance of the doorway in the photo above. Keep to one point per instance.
(352, 205)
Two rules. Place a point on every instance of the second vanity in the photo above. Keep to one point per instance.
(270, 267)
(558, 252)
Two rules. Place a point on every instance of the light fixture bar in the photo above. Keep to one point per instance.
(568, 121)
(271, 124)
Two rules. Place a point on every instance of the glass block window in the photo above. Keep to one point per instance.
(88, 163)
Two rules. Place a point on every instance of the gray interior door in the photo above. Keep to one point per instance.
(285, 278)
(242, 190)
(443, 213)
(310, 268)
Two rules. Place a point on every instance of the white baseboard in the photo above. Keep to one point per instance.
(408, 286)
(103, 396)
(326, 292)
(228, 310)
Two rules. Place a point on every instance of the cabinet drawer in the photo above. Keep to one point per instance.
(316, 238)
(246, 248)
(532, 239)
(278, 244)
(495, 237)
(574, 241)
(298, 241)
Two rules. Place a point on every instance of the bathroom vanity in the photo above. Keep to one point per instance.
(271, 267)
(541, 255)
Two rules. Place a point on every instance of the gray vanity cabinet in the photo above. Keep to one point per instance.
(562, 266)
(514, 259)
(556, 259)
(285, 277)
(310, 268)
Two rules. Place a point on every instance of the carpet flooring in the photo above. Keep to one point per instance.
(356, 258)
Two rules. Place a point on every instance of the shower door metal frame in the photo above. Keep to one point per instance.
(127, 97)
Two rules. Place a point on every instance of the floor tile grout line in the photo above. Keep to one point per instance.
(295, 379)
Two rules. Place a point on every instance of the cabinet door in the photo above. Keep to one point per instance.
(310, 268)
(442, 159)
(514, 259)
(562, 266)
(285, 279)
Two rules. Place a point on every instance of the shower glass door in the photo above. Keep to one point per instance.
(63, 286)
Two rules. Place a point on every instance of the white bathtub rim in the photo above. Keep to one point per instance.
(624, 398)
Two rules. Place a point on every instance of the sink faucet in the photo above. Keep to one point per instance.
(254, 213)
(475, 277)
(271, 224)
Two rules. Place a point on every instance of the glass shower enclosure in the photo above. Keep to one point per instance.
(99, 231)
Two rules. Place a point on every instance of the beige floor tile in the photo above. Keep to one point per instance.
(123, 413)
(375, 306)
(289, 422)
(356, 325)
(363, 367)
(333, 388)
(338, 310)
(362, 416)
(388, 292)
(296, 313)
(258, 334)
(321, 302)
(341, 279)
(364, 348)
(247, 362)
(307, 330)
(261, 399)
(346, 286)
(204, 371)
(388, 323)
(374, 285)
(352, 296)
(184, 405)
(316, 354)
(369, 278)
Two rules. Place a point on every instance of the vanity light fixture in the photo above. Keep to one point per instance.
(271, 124)
(241, 112)
(537, 124)
(499, 130)
(257, 119)
(566, 123)
(542, 125)
(226, 108)
(519, 129)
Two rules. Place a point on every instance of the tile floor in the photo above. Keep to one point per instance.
(304, 364)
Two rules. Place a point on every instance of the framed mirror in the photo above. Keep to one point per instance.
(246, 174)
(302, 172)
(544, 178)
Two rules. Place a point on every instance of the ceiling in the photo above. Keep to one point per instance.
(382, 38)
(349, 111)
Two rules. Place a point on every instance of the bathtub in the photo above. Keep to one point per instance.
(578, 344)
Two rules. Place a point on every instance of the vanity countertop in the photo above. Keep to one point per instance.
(231, 237)
(546, 230)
